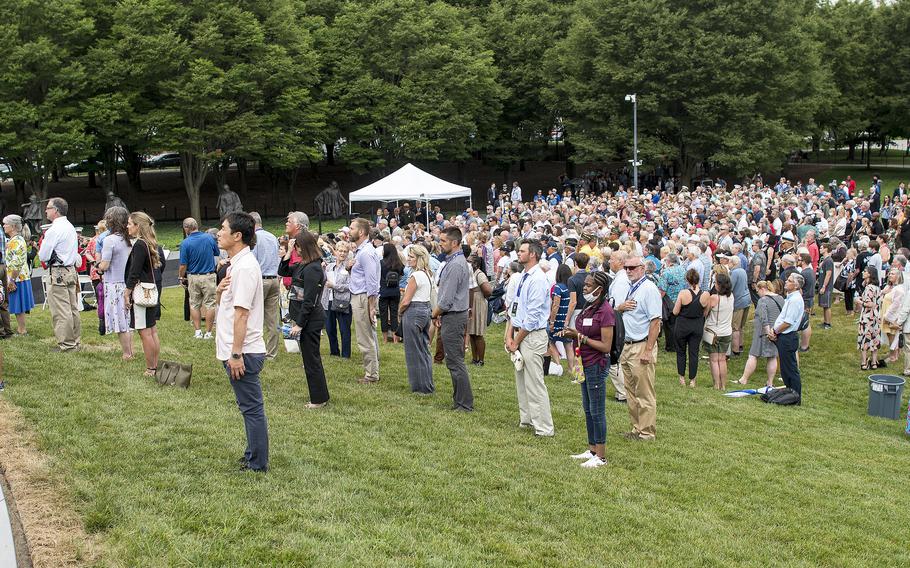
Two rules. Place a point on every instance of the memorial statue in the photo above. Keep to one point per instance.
(331, 203)
(228, 201)
(32, 213)
(114, 201)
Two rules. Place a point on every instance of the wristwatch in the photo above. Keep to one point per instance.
(236, 356)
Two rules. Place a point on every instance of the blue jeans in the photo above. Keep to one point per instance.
(342, 322)
(248, 392)
(594, 401)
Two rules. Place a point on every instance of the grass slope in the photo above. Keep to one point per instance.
(386, 478)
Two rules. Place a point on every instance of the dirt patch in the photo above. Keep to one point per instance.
(52, 529)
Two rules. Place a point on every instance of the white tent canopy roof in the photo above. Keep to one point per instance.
(409, 182)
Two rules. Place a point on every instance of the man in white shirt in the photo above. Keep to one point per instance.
(238, 338)
(59, 250)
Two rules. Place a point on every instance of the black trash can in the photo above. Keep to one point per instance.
(885, 392)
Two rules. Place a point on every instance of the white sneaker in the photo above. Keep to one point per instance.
(208, 335)
(594, 462)
(555, 369)
(585, 455)
(198, 334)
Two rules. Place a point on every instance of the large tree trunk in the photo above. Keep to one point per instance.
(194, 171)
(219, 173)
(132, 162)
(241, 177)
(19, 186)
(330, 153)
(851, 151)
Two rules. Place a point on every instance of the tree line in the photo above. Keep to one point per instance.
(737, 84)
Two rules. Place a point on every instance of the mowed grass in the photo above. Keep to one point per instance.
(382, 477)
(170, 233)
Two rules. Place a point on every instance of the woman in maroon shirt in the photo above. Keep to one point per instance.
(594, 333)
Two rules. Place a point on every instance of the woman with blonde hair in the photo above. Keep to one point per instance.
(18, 274)
(414, 311)
(891, 304)
(141, 267)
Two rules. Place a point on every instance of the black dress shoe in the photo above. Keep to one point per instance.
(246, 467)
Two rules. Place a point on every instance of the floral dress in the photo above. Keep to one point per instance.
(869, 332)
(21, 300)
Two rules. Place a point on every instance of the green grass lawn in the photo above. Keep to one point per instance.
(892, 156)
(890, 176)
(386, 478)
(170, 233)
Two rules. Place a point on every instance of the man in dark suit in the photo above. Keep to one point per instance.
(405, 215)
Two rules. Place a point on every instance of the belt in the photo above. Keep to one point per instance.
(633, 341)
(201, 273)
(269, 277)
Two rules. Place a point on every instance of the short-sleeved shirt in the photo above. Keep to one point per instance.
(560, 293)
(761, 261)
(590, 323)
(808, 285)
(649, 306)
(741, 297)
(245, 292)
(577, 285)
(673, 281)
(826, 266)
(117, 252)
(197, 252)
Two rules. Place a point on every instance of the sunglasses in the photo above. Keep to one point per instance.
(633, 267)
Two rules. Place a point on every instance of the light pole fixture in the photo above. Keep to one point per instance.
(633, 98)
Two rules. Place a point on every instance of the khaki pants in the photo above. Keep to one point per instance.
(271, 290)
(639, 381)
(63, 300)
(365, 331)
(616, 378)
(533, 398)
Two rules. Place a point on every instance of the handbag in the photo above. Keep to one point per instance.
(709, 336)
(145, 294)
(174, 374)
(433, 298)
(840, 283)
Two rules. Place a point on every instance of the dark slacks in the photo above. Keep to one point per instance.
(787, 345)
(687, 342)
(670, 333)
(312, 366)
(335, 323)
(454, 325)
(388, 314)
(248, 392)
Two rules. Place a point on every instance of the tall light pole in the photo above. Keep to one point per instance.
(635, 163)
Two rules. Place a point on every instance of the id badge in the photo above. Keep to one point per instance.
(587, 322)
(513, 311)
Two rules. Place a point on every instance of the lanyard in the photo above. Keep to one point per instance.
(520, 284)
(635, 287)
(449, 259)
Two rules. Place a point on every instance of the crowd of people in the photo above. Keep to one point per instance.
(589, 278)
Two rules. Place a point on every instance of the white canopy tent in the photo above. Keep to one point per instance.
(410, 182)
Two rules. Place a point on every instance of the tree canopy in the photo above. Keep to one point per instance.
(737, 84)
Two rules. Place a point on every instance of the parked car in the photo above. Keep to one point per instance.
(166, 160)
(5, 172)
(84, 166)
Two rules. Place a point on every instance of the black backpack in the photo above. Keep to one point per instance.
(619, 336)
(784, 396)
(391, 279)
